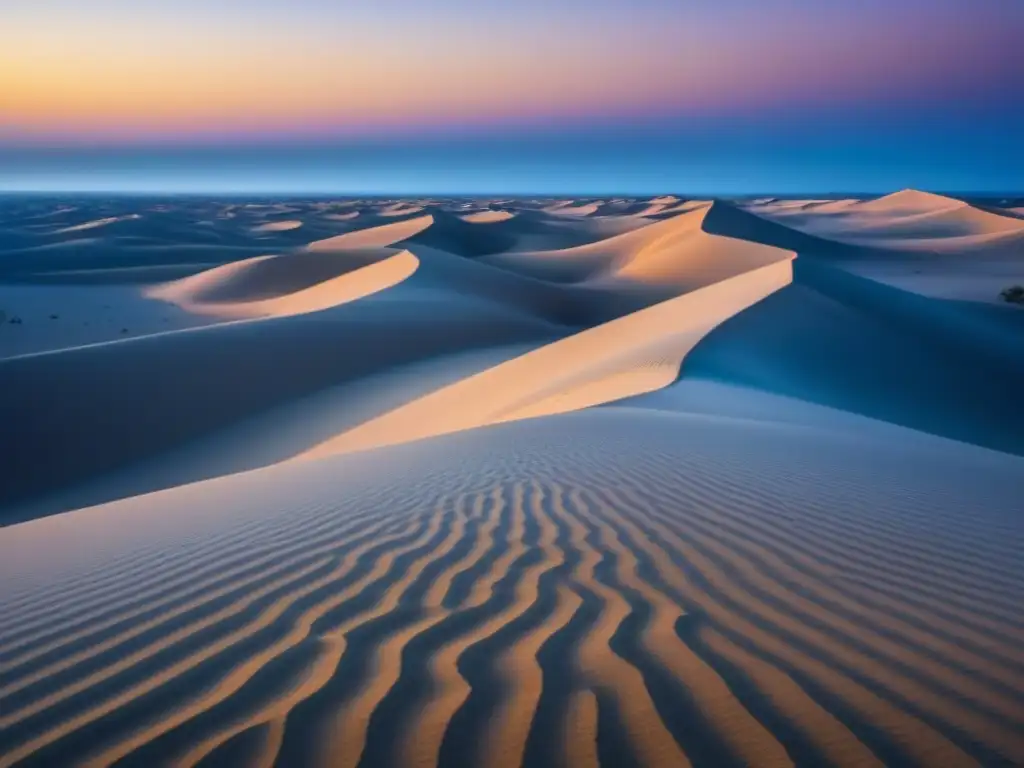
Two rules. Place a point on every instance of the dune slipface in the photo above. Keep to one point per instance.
(610, 482)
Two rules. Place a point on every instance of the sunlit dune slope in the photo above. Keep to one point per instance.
(277, 226)
(373, 236)
(681, 253)
(287, 285)
(626, 332)
(634, 353)
(488, 217)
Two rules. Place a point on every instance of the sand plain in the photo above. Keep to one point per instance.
(613, 482)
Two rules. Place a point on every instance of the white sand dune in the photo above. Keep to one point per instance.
(512, 482)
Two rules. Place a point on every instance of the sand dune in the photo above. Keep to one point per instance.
(679, 253)
(400, 209)
(342, 216)
(277, 226)
(904, 216)
(441, 482)
(637, 353)
(904, 358)
(571, 209)
(277, 286)
(920, 242)
(474, 617)
(488, 217)
(373, 237)
(95, 224)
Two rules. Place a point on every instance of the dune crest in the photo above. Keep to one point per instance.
(910, 202)
(637, 353)
(677, 253)
(380, 236)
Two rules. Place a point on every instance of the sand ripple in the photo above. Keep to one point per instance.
(673, 595)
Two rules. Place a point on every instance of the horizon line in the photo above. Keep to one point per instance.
(588, 194)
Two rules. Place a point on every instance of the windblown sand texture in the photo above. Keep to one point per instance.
(612, 482)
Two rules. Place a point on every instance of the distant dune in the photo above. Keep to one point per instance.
(906, 216)
(488, 217)
(277, 226)
(930, 244)
(95, 224)
(447, 482)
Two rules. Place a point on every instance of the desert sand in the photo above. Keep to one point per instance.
(615, 482)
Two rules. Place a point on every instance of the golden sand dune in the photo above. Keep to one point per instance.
(400, 209)
(570, 209)
(488, 217)
(611, 585)
(677, 253)
(610, 482)
(278, 226)
(479, 305)
(373, 236)
(277, 286)
(637, 353)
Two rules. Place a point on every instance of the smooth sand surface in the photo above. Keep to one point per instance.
(613, 482)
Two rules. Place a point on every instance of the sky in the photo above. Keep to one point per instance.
(506, 96)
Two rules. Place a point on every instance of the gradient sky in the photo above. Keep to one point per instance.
(468, 96)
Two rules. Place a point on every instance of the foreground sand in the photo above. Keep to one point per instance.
(416, 491)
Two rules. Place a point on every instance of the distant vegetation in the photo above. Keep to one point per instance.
(1014, 294)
